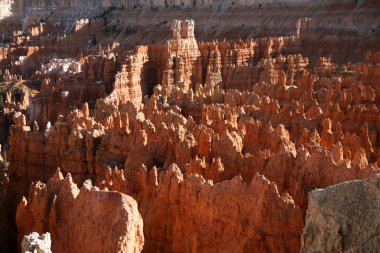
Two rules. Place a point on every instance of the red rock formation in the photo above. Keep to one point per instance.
(71, 90)
(66, 211)
(128, 84)
(186, 213)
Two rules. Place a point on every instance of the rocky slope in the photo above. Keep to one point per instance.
(343, 218)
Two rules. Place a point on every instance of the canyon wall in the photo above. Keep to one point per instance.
(144, 3)
(169, 3)
(335, 28)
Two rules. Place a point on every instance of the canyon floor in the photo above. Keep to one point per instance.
(189, 126)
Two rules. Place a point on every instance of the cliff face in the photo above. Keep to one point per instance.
(128, 84)
(67, 211)
(343, 29)
(145, 3)
(170, 3)
(333, 225)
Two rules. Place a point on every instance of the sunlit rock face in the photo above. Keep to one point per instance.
(6, 8)
(36, 243)
(67, 212)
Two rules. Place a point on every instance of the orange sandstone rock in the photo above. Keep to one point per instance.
(80, 220)
(186, 213)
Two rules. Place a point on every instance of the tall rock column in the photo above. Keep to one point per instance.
(182, 49)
